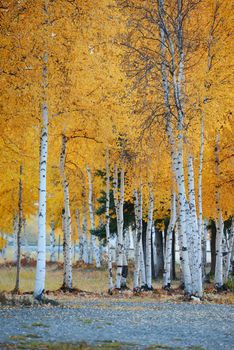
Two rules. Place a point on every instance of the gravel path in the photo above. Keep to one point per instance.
(186, 326)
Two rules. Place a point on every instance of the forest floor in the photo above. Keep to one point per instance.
(88, 318)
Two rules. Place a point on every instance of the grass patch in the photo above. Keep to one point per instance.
(159, 346)
(32, 336)
(86, 320)
(114, 345)
(230, 284)
(18, 337)
(35, 324)
(85, 277)
(34, 345)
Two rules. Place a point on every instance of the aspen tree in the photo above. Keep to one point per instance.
(80, 235)
(15, 226)
(227, 251)
(168, 255)
(41, 253)
(177, 155)
(148, 240)
(119, 202)
(84, 224)
(67, 218)
(137, 211)
(93, 242)
(219, 221)
(109, 255)
(19, 232)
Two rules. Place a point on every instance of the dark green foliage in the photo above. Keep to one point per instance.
(129, 218)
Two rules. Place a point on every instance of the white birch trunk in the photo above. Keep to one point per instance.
(191, 246)
(67, 218)
(200, 218)
(125, 261)
(136, 257)
(219, 222)
(119, 202)
(230, 247)
(204, 248)
(168, 255)
(109, 255)
(80, 235)
(148, 241)
(64, 228)
(84, 226)
(183, 221)
(154, 243)
(4, 248)
(180, 243)
(94, 250)
(15, 226)
(196, 258)
(137, 241)
(52, 242)
(19, 232)
(164, 243)
(41, 244)
(142, 267)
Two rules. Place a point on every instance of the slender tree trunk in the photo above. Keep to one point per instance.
(213, 249)
(230, 247)
(93, 241)
(232, 261)
(219, 222)
(15, 229)
(139, 262)
(183, 222)
(25, 239)
(154, 255)
(64, 228)
(142, 267)
(179, 244)
(196, 260)
(84, 226)
(67, 218)
(41, 244)
(138, 219)
(204, 249)
(19, 231)
(200, 218)
(41, 248)
(52, 242)
(191, 246)
(125, 262)
(148, 242)
(80, 235)
(59, 248)
(173, 274)
(109, 255)
(136, 263)
(119, 202)
(168, 255)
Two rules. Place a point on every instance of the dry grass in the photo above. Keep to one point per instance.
(89, 279)
(85, 279)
